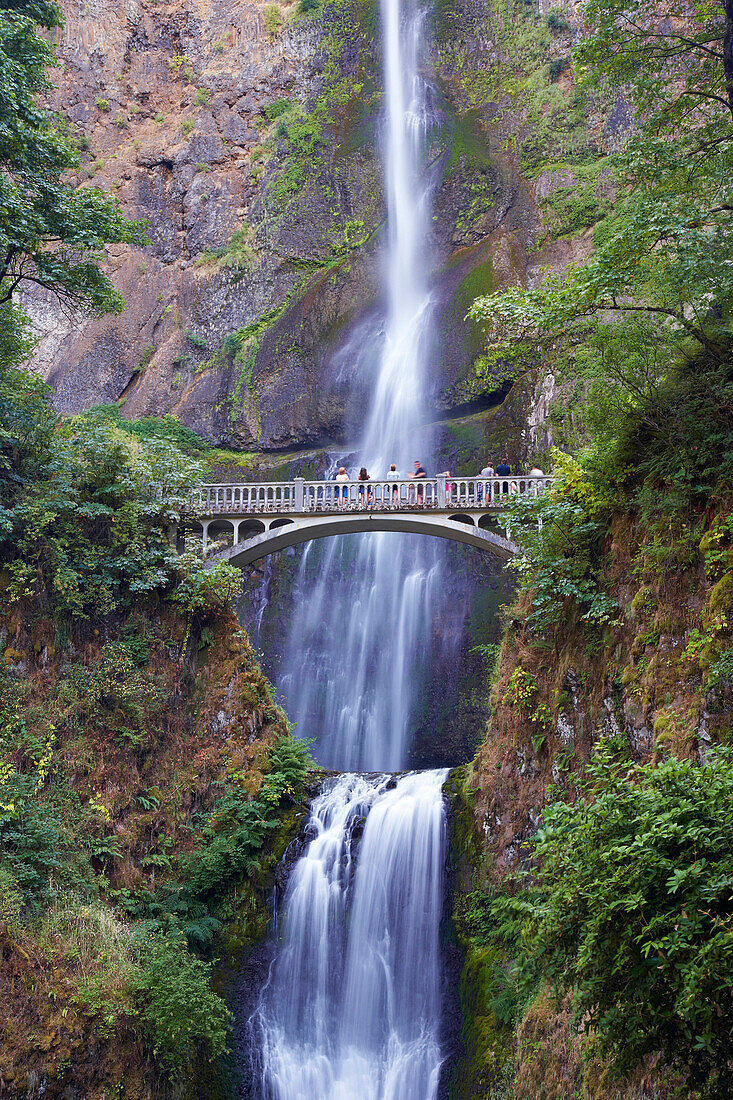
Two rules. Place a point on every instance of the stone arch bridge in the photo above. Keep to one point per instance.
(242, 523)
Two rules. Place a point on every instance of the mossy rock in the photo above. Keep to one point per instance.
(643, 601)
(721, 597)
(488, 1047)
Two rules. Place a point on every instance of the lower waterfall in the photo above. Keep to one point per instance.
(351, 1010)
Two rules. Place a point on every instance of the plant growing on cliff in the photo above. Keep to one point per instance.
(561, 534)
(84, 507)
(51, 235)
(273, 19)
(177, 1008)
(666, 253)
(634, 912)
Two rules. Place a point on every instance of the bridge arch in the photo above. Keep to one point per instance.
(298, 531)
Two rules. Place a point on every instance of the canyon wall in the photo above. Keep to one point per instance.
(244, 135)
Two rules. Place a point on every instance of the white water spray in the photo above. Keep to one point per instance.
(360, 642)
(352, 1007)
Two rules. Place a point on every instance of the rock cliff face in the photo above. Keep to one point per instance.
(245, 135)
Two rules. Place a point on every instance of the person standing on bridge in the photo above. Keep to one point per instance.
(341, 476)
(503, 470)
(393, 475)
(419, 474)
(364, 496)
(487, 471)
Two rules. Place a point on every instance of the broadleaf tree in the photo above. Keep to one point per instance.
(667, 250)
(52, 235)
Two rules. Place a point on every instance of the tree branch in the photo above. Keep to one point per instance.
(646, 34)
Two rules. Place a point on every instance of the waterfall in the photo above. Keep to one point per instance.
(360, 643)
(352, 1007)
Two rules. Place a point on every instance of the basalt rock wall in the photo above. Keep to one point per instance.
(245, 135)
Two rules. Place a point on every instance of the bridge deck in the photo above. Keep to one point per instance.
(301, 497)
(263, 517)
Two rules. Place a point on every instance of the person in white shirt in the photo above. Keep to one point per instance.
(393, 475)
(488, 471)
(342, 476)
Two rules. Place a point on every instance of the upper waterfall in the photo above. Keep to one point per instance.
(393, 430)
(361, 642)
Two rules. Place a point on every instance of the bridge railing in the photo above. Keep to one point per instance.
(441, 493)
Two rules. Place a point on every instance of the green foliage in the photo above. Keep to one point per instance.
(203, 589)
(556, 20)
(50, 234)
(559, 66)
(181, 65)
(114, 694)
(178, 1009)
(633, 913)
(11, 899)
(561, 533)
(231, 839)
(31, 843)
(85, 506)
(273, 18)
(239, 253)
(229, 844)
(167, 428)
(300, 138)
(667, 251)
(196, 339)
(277, 109)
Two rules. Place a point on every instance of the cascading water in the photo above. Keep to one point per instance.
(360, 640)
(352, 1007)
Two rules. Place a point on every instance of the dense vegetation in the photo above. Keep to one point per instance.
(132, 831)
(620, 925)
(91, 583)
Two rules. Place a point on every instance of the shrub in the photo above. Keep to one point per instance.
(187, 126)
(202, 97)
(177, 1008)
(11, 900)
(180, 65)
(232, 344)
(558, 67)
(556, 20)
(196, 339)
(101, 104)
(277, 109)
(31, 841)
(202, 590)
(306, 6)
(633, 914)
(232, 838)
(273, 19)
(84, 508)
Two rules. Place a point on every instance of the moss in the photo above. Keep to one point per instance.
(488, 1050)
(486, 1055)
(721, 597)
(574, 208)
(464, 137)
(643, 601)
